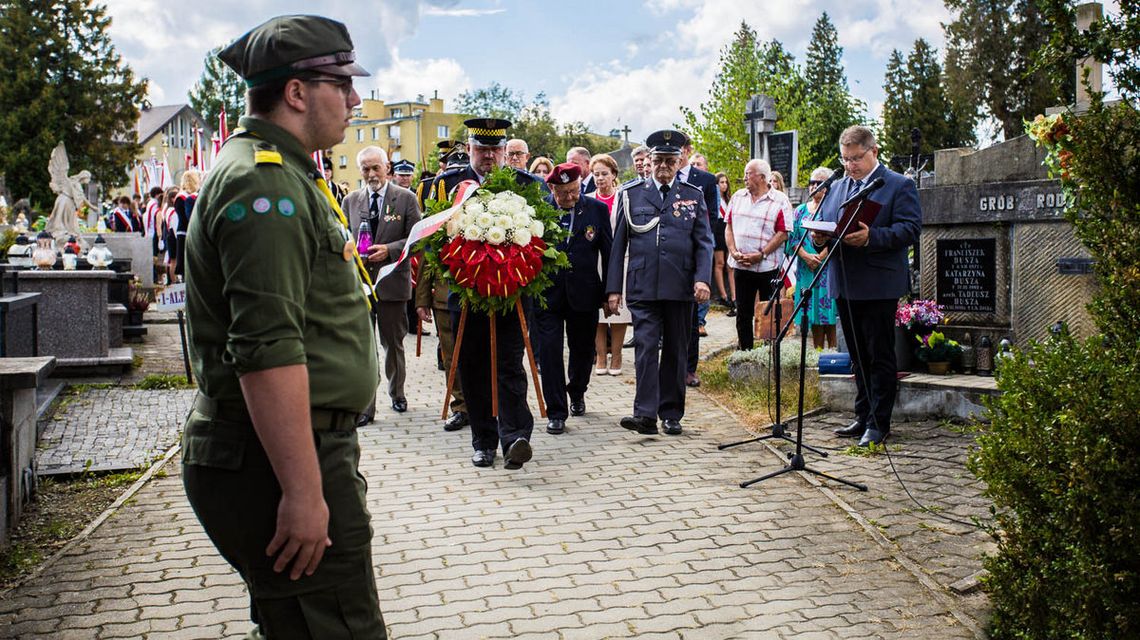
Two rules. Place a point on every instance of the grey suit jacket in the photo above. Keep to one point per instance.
(399, 211)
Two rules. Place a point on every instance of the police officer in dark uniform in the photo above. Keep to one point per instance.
(403, 172)
(512, 428)
(573, 299)
(281, 344)
(663, 224)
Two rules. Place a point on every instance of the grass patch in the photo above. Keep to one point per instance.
(154, 381)
(61, 509)
(754, 402)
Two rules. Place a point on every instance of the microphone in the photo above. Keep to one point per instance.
(871, 187)
(826, 184)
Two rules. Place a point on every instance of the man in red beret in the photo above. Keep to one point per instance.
(573, 299)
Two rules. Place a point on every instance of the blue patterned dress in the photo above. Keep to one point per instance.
(821, 308)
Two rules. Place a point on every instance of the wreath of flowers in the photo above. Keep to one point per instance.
(498, 244)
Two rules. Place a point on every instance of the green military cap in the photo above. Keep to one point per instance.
(287, 45)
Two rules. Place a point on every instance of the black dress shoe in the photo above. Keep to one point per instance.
(363, 419)
(578, 407)
(556, 426)
(457, 421)
(671, 427)
(628, 344)
(483, 457)
(518, 454)
(853, 430)
(873, 436)
(400, 405)
(691, 380)
(640, 424)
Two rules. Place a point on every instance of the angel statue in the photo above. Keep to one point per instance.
(64, 220)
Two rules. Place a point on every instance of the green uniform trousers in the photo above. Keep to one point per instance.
(234, 493)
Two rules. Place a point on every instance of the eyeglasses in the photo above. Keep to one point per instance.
(814, 183)
(516, 154)
(854, 159)
(344, 84)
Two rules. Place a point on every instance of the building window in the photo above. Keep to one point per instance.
(394, 133)
(442, 131)
(375, 133)
(397, 113)
(344, 162)
(360, 135)
(396, 156)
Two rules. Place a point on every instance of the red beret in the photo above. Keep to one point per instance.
(564, 173)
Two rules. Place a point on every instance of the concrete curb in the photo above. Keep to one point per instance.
(135, 487)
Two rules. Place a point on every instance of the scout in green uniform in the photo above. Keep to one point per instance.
(282, 346)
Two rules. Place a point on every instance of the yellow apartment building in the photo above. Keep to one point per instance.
(407, 130)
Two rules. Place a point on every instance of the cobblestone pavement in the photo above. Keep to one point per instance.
(604, 534)
(110, 429)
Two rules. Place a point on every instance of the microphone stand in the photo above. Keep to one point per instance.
(796, 460)
(778, 428)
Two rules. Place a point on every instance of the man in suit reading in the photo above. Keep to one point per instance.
(869, 273)
(388, 211)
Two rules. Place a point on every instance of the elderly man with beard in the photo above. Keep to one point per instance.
(573, 299)
(389, 211)
(663, 224)
(511, 429)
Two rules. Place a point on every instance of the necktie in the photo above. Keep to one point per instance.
(664, 192)
(374, 208)
(855, 188)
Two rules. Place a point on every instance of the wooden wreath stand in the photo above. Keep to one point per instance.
(494, 361)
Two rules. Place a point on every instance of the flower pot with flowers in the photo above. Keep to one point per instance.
(938, 352)
(138, 301)
(914, 319)
(495, 243)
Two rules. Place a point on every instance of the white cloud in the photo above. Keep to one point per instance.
(646, 99)
(406, 78)
(460, 13)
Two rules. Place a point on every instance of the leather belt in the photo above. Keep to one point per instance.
(322, 419)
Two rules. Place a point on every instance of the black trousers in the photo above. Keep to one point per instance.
(660, 383)
(869, 326)
(750, 286)
(515, 419)
(546, 330)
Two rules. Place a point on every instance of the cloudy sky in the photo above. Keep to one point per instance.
(607, 63)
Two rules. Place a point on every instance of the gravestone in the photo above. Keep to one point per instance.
(996, 249)
(783, 155)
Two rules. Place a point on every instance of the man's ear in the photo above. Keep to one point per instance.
(295, 93)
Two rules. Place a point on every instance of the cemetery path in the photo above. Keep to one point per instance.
(604, 534)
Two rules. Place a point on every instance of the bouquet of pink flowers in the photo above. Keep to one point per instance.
(917, 315)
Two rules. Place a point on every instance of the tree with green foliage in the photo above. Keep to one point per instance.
(1061, 457)
(492, 101)
(218, 87)
(830, 106)
(991, 45)
(747, 67)
(915, 98)
(1114, 40)
(63, 81)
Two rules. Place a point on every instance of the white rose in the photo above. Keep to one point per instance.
(497, 207)
(504, 222)
(473, 233)
(496, 235)
(521, 236)
(473, 207)
(484, 219)
(520, 219)
(504, 195)
(537, 228)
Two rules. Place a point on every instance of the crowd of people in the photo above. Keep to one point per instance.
(284, 324)
(163, 218)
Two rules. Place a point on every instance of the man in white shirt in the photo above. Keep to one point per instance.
(755, 233)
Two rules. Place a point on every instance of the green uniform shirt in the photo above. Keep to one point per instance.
(267, 282)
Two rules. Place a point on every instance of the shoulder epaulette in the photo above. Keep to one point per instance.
(266, 153)
(632, 183)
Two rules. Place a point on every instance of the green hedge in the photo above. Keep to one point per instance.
(1061, 461)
